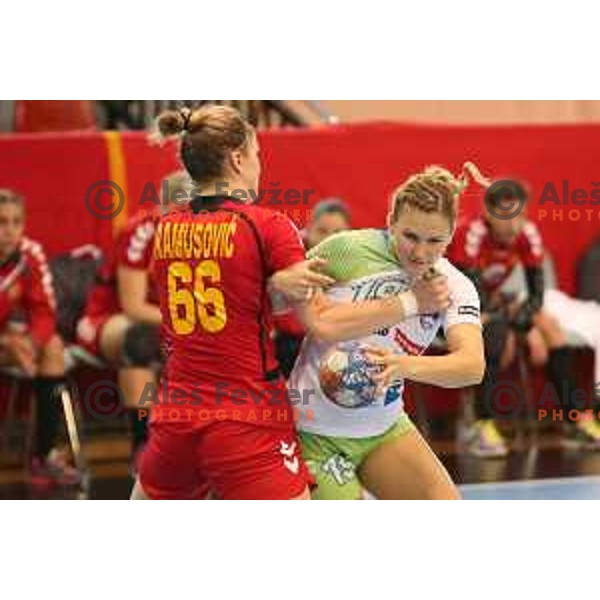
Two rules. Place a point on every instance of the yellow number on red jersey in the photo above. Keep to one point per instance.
(196, 300)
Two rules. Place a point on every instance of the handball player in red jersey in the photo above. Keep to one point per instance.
(224, 417)
(488, 249)
(29, 338)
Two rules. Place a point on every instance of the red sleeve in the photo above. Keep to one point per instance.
(38, 301)
(456, 249)
(134, 248)
(283, 242)
(530, 246)
(289, 323)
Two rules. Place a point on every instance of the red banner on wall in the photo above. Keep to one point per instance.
(360, 163)
(364, 163)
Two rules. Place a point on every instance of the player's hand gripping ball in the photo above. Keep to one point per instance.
(346, 376)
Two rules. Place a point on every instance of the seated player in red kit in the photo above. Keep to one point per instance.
(224, 418)
(122, 320)
(29, 338)
(488, 249)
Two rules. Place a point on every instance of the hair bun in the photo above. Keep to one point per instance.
(171, 122)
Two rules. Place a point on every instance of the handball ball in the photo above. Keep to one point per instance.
(346, 376)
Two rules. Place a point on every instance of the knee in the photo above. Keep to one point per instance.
(538, 357)
(538, 351)
(141, 345)
(550, 330)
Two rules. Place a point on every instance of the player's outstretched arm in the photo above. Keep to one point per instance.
(337, 322)
(341, 321)
(463, 366)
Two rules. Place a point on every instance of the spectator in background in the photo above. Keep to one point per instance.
(122, 114)
(121, 324)
(54, 115)
(581, 319)
(29, 338)
(488, 249)
(329, 216)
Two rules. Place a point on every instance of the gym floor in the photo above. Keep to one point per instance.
(543, 470)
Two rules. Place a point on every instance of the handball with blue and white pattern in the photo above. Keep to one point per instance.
(346, 376)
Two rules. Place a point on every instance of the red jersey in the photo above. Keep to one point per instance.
(212, 263)
(133, 249)
(475, 247)
(27, 292)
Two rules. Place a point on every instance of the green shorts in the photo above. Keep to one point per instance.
(334, 461)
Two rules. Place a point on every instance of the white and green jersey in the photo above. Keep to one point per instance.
(364, 265)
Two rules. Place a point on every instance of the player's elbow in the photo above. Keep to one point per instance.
(468, 370)
(474, 370)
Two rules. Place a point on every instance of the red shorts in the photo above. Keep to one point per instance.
(236, 460)
(89, 330)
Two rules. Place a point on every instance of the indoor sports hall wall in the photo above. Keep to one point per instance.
(360, 163)
(363, 164)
